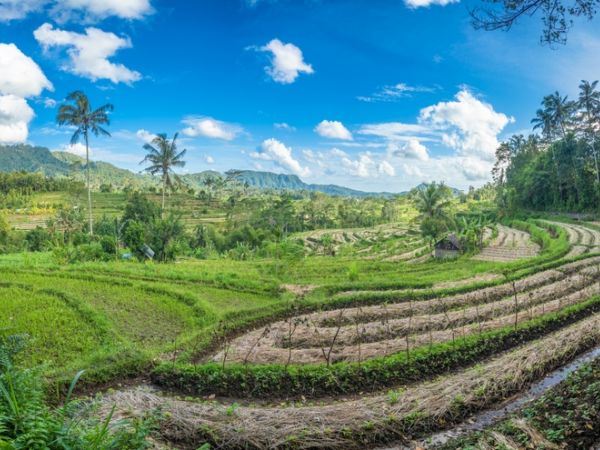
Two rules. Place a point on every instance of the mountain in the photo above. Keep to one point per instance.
(31, 159)
(57, 164)
(423, 185)
(278, 181)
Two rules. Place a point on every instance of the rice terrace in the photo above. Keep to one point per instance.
(343, 259)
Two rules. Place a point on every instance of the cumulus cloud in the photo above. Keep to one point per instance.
(145, 136)
(211, 128)
(386, 168)
(333, 129)
(468, 124)
(287, 62)
(277, 152)
(20, 78)
(209, 159)
(19, 74)
(88, 10)
(426, 3)
(89, 53)
(15, 115)
(394, 93)
(412, 149)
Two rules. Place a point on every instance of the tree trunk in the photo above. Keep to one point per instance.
(164, 185)
(89, 186)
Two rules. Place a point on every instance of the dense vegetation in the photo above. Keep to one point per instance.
(557, 170)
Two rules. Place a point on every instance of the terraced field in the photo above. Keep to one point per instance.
(509, 245)
(583, 239)
(232, 359)
(386, 242)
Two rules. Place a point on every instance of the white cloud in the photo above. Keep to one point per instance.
(89, 53)
(474, 169)
(412, 149)
(211, 128)
(468, 125)
(101, 9)
(209, 159)
(394, 130)
(19, 74)
(412, 170)
(427, 3)
(76, 149)
(386, 168)
(275, 151)
(63, 10)
(15, 115)
(394, 93)
(333, 129)
(18, 9)
(145, 135)
(49, 103)
(284, 126)
(287, 62)
(20, 77)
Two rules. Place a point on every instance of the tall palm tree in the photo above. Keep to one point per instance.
(589, 103)
(80, 114)
(560, 109)
(163, 158)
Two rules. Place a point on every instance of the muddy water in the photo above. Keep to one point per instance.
(489, 417)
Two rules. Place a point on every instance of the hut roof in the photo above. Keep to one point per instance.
(450, 242)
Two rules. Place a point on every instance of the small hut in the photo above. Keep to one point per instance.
(448, 248)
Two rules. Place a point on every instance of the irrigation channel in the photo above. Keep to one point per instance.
(430, 363)
(488, 417)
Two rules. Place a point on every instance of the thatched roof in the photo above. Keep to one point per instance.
(450, 242)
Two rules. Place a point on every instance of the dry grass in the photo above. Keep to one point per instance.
(376, 332)
(351, 424)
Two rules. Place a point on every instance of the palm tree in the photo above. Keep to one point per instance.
(589, 103)
(163, 158)
(560, 110)
(80, 114)
(433, 200)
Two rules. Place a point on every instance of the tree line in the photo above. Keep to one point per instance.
(556, 167)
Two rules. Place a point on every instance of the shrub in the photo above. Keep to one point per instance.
(27, 422)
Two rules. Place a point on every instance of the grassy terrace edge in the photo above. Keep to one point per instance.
(274, 380)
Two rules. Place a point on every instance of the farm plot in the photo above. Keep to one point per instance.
(396, 415)
(509, 245)
(387, 355)
(370, 243)
(355, 334)
(582, 239)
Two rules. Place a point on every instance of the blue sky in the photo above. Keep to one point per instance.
(371, 94)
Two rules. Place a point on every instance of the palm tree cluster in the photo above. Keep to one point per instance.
(162, 155)
(559, 165)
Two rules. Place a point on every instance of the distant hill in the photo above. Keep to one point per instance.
(31, 159)
(423, 185)
(270, 180)
(56, 164)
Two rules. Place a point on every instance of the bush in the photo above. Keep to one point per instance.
(38, 240)
(27, 422)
